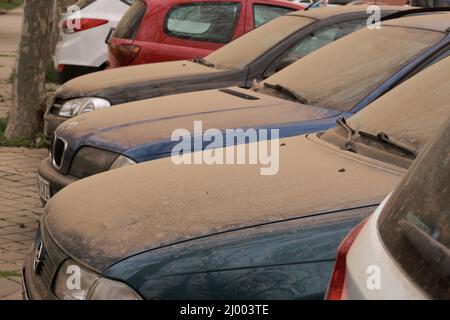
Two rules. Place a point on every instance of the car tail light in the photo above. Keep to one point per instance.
(83, 24)
(338, 278)
(60, 67)
(124, 53)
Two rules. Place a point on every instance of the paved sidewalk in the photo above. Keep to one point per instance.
(19, 203)
(20, 209)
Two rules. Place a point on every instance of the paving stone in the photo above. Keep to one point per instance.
(13, 246)
(17, 237)
(21, 220)
(6, 223)
(16, 279)
(11, 256)
(15, 296)
(3, 241)
(9, 287)
(10, 267)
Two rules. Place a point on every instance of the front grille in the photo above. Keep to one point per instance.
(58, 151)
(47, 270)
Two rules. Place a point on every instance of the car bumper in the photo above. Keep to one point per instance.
(38, 284)
(29, 289)
(70, 71)
(56, 180)
(83, 48)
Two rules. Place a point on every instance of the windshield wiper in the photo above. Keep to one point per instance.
(349, 143)
(379, 137)
(383, 137)
(287, 91)
(202, 61)
(431, 250)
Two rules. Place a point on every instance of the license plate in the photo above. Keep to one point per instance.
(43, 188)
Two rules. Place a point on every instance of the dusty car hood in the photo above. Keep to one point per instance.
(140, 122)
(120, 77)
(108, 217)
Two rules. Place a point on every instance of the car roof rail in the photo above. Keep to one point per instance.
(404, 13)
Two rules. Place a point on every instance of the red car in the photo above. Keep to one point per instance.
(167, 30)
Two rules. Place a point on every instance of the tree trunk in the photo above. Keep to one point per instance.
(29, 96)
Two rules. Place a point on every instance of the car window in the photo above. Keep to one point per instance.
(128, 26)
(325, 36)
(212, 22)
(415, 223)
(252, 45)
(341, 74)
(265, 13)
(314, 42)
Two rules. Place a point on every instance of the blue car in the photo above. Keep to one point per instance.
(335, 81)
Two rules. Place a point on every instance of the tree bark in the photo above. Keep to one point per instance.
(29, 96)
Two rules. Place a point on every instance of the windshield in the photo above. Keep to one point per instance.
(408, 115)
(246, 49)
(341, 74)
(415, 223)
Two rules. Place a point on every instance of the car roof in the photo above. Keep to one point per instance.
(327, 12)
(439, 22)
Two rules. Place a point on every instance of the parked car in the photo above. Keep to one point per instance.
(238, 63)
(158, 230)
(81, 48)
(160, 30)
(405, 245)
(337, 80)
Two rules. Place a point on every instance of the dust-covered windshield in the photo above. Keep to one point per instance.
(246, 49)
(341, 74)
(409, 114)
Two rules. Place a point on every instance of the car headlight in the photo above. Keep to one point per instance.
(82, 105)
(89, 161)
(74, 282)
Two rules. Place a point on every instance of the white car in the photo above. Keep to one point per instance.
(402, 251)
(82, 48)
